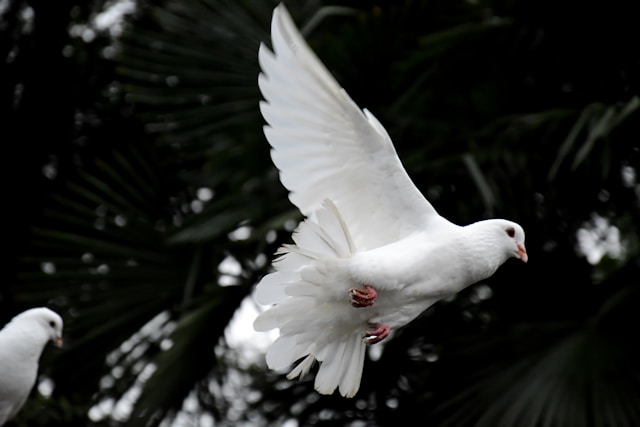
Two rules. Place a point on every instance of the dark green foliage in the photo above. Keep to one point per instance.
(524, 110)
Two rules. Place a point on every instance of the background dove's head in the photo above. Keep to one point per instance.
(45, 322)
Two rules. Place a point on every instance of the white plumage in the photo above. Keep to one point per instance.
(21, 343)
(373, 253)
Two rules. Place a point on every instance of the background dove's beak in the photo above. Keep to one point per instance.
(58, 342)
(522, 252)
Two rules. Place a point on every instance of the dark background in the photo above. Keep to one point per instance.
(526, 110)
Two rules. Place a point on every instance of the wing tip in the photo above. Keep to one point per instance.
(285, 35)
(280, 13)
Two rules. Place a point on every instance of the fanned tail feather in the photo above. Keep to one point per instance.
(309, 307)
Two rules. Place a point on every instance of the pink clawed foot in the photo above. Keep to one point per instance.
(377, 333)
(362, 297)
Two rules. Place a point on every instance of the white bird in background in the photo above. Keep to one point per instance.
(372, 253)
(21, 343)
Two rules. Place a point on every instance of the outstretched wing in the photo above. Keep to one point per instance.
(326, 147)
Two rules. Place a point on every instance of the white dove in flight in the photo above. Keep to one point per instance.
(372, 253)
(21, 343)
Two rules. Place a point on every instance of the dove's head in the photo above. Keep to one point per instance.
(511, 236)
(46, 321)
(499, 240)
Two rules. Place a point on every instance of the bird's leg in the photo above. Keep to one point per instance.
(377, 333)
(362, 297)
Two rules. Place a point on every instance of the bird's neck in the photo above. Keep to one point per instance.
(483, 251)
(27, 343)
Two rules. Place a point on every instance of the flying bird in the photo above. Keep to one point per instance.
(372, 252)
(21, 343)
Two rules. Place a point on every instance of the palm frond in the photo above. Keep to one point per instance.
(196, 335)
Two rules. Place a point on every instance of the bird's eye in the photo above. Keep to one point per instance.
(52, 323)
(510, 232)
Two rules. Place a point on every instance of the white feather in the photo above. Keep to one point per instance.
(352, 370)
(302, 369)
(272, 288)
(279, 355)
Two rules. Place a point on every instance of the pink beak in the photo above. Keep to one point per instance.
(58, 342)
(522, 252)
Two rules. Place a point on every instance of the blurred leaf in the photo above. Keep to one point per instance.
(569, 142)
(602, 120)
(479, 179)
(196, 334)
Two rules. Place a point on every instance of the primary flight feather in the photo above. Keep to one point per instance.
(372, 253)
